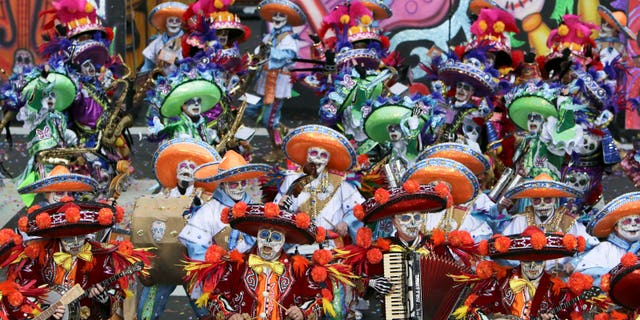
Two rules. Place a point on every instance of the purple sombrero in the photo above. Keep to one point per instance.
(455, 71)
(349, 58)
(93, 50)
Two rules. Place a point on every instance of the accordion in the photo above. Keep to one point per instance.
(422, 288)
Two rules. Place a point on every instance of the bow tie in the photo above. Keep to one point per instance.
(398, 248)
(257, 264)
(520, 284)
(65, 260)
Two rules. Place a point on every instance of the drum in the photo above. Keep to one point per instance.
(157, 222)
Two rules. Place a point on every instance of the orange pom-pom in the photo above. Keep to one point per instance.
(66, 199)
(358, 211)
(629, 259)
(381, 195)
(484, 269)
(410, 186)
(72, 214)
(303, 220)
(224, 215)
(43, 220)
(322, 256)
(363, 237)
(105, 216)
(502, 244)
(460, 238)
(582, 244)
(15, 298)
(214, 254)
(575, 315)
(23, 224)
(383, 244)
(578, 282)
(321, 234)
(569, 242)
(605, 282)
(125, 247)
(563, 30)
(442, 190)
(33, 208)
(32, 250)
(538, 240)
(437, 237)
(239, 209)
(272, 210)
(498, 27)
(601, 316)
(617, 315)
(119, 214)
(319, 273)
(483, 247)
(327, 294)
(236, 256)
(374, 255)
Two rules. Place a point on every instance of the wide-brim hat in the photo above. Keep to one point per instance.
(605, 220)
(379, 9)
(170, 153)
(614, 20)
(225, 20)
(8, 242)
(520, 108)
(521, 248)
(542, 186)
(208, 91)
(203, 176)
(254, 219)
(453, 72)
(64, 88)
(376, 123)
(234, 167)
(68, 219)
(295, 15)
(159, 14)
(298, 141)
(83, 25)
(349, 58)
(458, 152)
(477, 5)
(93, 50)
(624, 286)
(400, 201)
(463, 183)
(60, 179)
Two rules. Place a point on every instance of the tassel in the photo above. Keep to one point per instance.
(202, 300)
(327, 307)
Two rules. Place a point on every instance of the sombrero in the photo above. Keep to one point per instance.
(60, 179)
(225, 20)
(296, 143)
(159, 14)
(472, 159)
(624, 285)
(400, 201)
(68, 219)
(604, 221)
(349, 58)
(64, 88)
(295, 15)
(208, 91)
(361, 33)
(455, 71)
(297, 228)
(531, 97)
(170, 153)
(463, 183)
(617, 20)
(233, 167)
(83, 25)
(376, 123)
(379, 8)
(477, 5)
(594, 90)
(521, 246)
(93, 50)
(203, 176)
(8, 241)
(542, 186)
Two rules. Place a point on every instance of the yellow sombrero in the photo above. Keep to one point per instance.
(159, 14)
(472, 159)
(295, 15)
(60, 179)
(625, 205)
(203, 176)
(171, 153)
(299, 140)
(234, 167)
(464, 184)
(543, 186)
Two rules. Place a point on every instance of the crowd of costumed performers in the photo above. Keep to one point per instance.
(478, 196)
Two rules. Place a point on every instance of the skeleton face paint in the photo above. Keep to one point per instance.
(319, 157)
(49, 101)
(470, 129)
(235, 189)
(185, 172)
(578, 180)
(395, 134)
(279, 20)
(534, 122)
(223, 36)
(54, 197)
(543, 207)
(72, 245)
(88, 69)
(628, 228)
(464, 91)
(532, 270)
(174, 24)
(22, 60)
(606, 30)
(590, 143)
(192, 107)
(270, 244)
(408, 225)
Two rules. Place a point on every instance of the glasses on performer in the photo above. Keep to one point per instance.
(534, 117)
(540, 200)
(628, 221)
(315, 153)
(235, 184)
(269, 235)
(463, 86)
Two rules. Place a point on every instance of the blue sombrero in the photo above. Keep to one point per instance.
(455, 71)
(604, 221)
(234, 167)
(298, 141)
(464, 184)
(170, 153)
(60, 179)
(295, 15)
(458, 152)
(543, 186)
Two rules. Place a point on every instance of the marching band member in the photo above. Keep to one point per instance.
(165, 49)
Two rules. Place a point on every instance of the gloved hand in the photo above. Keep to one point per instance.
(381, 285)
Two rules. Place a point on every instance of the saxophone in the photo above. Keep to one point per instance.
(118, 120)
(65, 156)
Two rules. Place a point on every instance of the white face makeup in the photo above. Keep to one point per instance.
(590, 143)
(55, 197)
(395, 134)
(279, 20)
(464, 92)
(72, 245)
(319, 157)
(607, 31)
(223, 36)
(87, 68)
(543, 207)
(270, 243)
(49, 101)
(534, 122)
(408, 225)
(174, 24)
(235, 189)
(578, 180)
(470, 129)
(628, 228)
(185, 172)
(532, 270)
(192, 107)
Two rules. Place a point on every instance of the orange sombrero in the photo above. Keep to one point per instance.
(463, 183)
(472, 159)
(543, 186)
(617, 20)
(171, 153)
(159, 14)
(300, 139)
(234, 167)
(604, 221)
(60, 179)
(380, 9)
(477, 5)
(204, 174)
(295, 15)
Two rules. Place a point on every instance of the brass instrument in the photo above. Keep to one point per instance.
(65, 156)
(117, 120)
(5, 119)
(508, 180)
(232, 130)
(119, 182)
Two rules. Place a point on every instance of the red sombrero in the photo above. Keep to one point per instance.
(543, 186)
(171, 153)
(159, 14)
(60, 180)
(463, 183)
(234, 167)
(400, 200)
(300, 139)
(295, 15)
(204, 174)
(8, 241)
(625, 285)
(604, 221)
(68, 219)
(532, 245)
(472, 159)
(298, 228)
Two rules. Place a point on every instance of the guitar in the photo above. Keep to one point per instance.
(587, 294)
(76, 293)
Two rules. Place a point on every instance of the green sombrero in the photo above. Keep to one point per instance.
(531, 97)
(207, 90)
(376, 123)
(64, 88)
